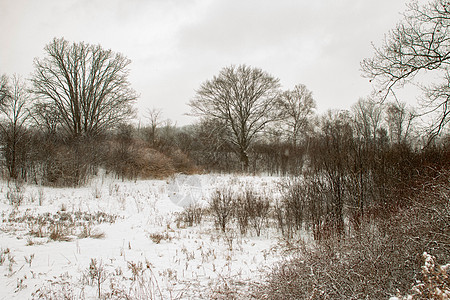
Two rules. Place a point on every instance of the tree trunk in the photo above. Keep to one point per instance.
(244, 160)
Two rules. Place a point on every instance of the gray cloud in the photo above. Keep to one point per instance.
(175, 45)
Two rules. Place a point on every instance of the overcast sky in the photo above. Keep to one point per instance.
(175, 45)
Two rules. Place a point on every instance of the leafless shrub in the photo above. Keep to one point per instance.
(69, 163)
(241, 210)
(256, 208)
(290, 209)
(156, 165)
(15, 193)
(222, 207)
(303, 204)
(226, 288)
(328, 271)
(134, 159)
(375, 263)
(96, 274)
(182, 163)
(191, 215)
(245, 207)
(63, 167)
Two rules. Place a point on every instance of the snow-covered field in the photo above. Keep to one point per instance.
(117, 239)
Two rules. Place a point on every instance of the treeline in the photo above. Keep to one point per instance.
(356, 152)
(373, 204)
(74, 117)
(347, 168)
(56, 160)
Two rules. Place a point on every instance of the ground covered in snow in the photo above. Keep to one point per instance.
(117, 239)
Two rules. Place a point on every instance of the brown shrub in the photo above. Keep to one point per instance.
(182, 163)
(153, 164)
(66, 167)
(191, 215)
(137, 160)
(379, 261)
(222, 208)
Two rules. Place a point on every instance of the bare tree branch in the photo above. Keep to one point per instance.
(298, 106)
(87, 84)
(242, 98)
(14, 113)
(419, 44)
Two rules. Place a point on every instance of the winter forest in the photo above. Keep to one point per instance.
(261, 197)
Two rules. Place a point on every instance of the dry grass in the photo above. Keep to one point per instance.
(157, 237)
(60, 226)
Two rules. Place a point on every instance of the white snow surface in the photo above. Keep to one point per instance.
(188, 263)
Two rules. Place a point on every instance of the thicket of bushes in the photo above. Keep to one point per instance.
(380, 260)
(245, 207)
(364, 250)
(58, 161)
(380, 255)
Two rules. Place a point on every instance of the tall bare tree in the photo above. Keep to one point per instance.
(298, 106)
(330, 158)
(47, 117)
(14, 114)
(87, 84)
(367, 115)
(154, 116)
(399, 119)
(419, 44)
(437, 103)
(244, 99)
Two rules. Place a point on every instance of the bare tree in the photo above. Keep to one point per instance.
(367, 115)
(244, 99)
(330, 157)
(298, 106)
(154, 116)
(437, 102)
(14, 112)
(399, 119)
(421, 42)
(87, 84)
(47, 117)
(367, 119)
(211, 148)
